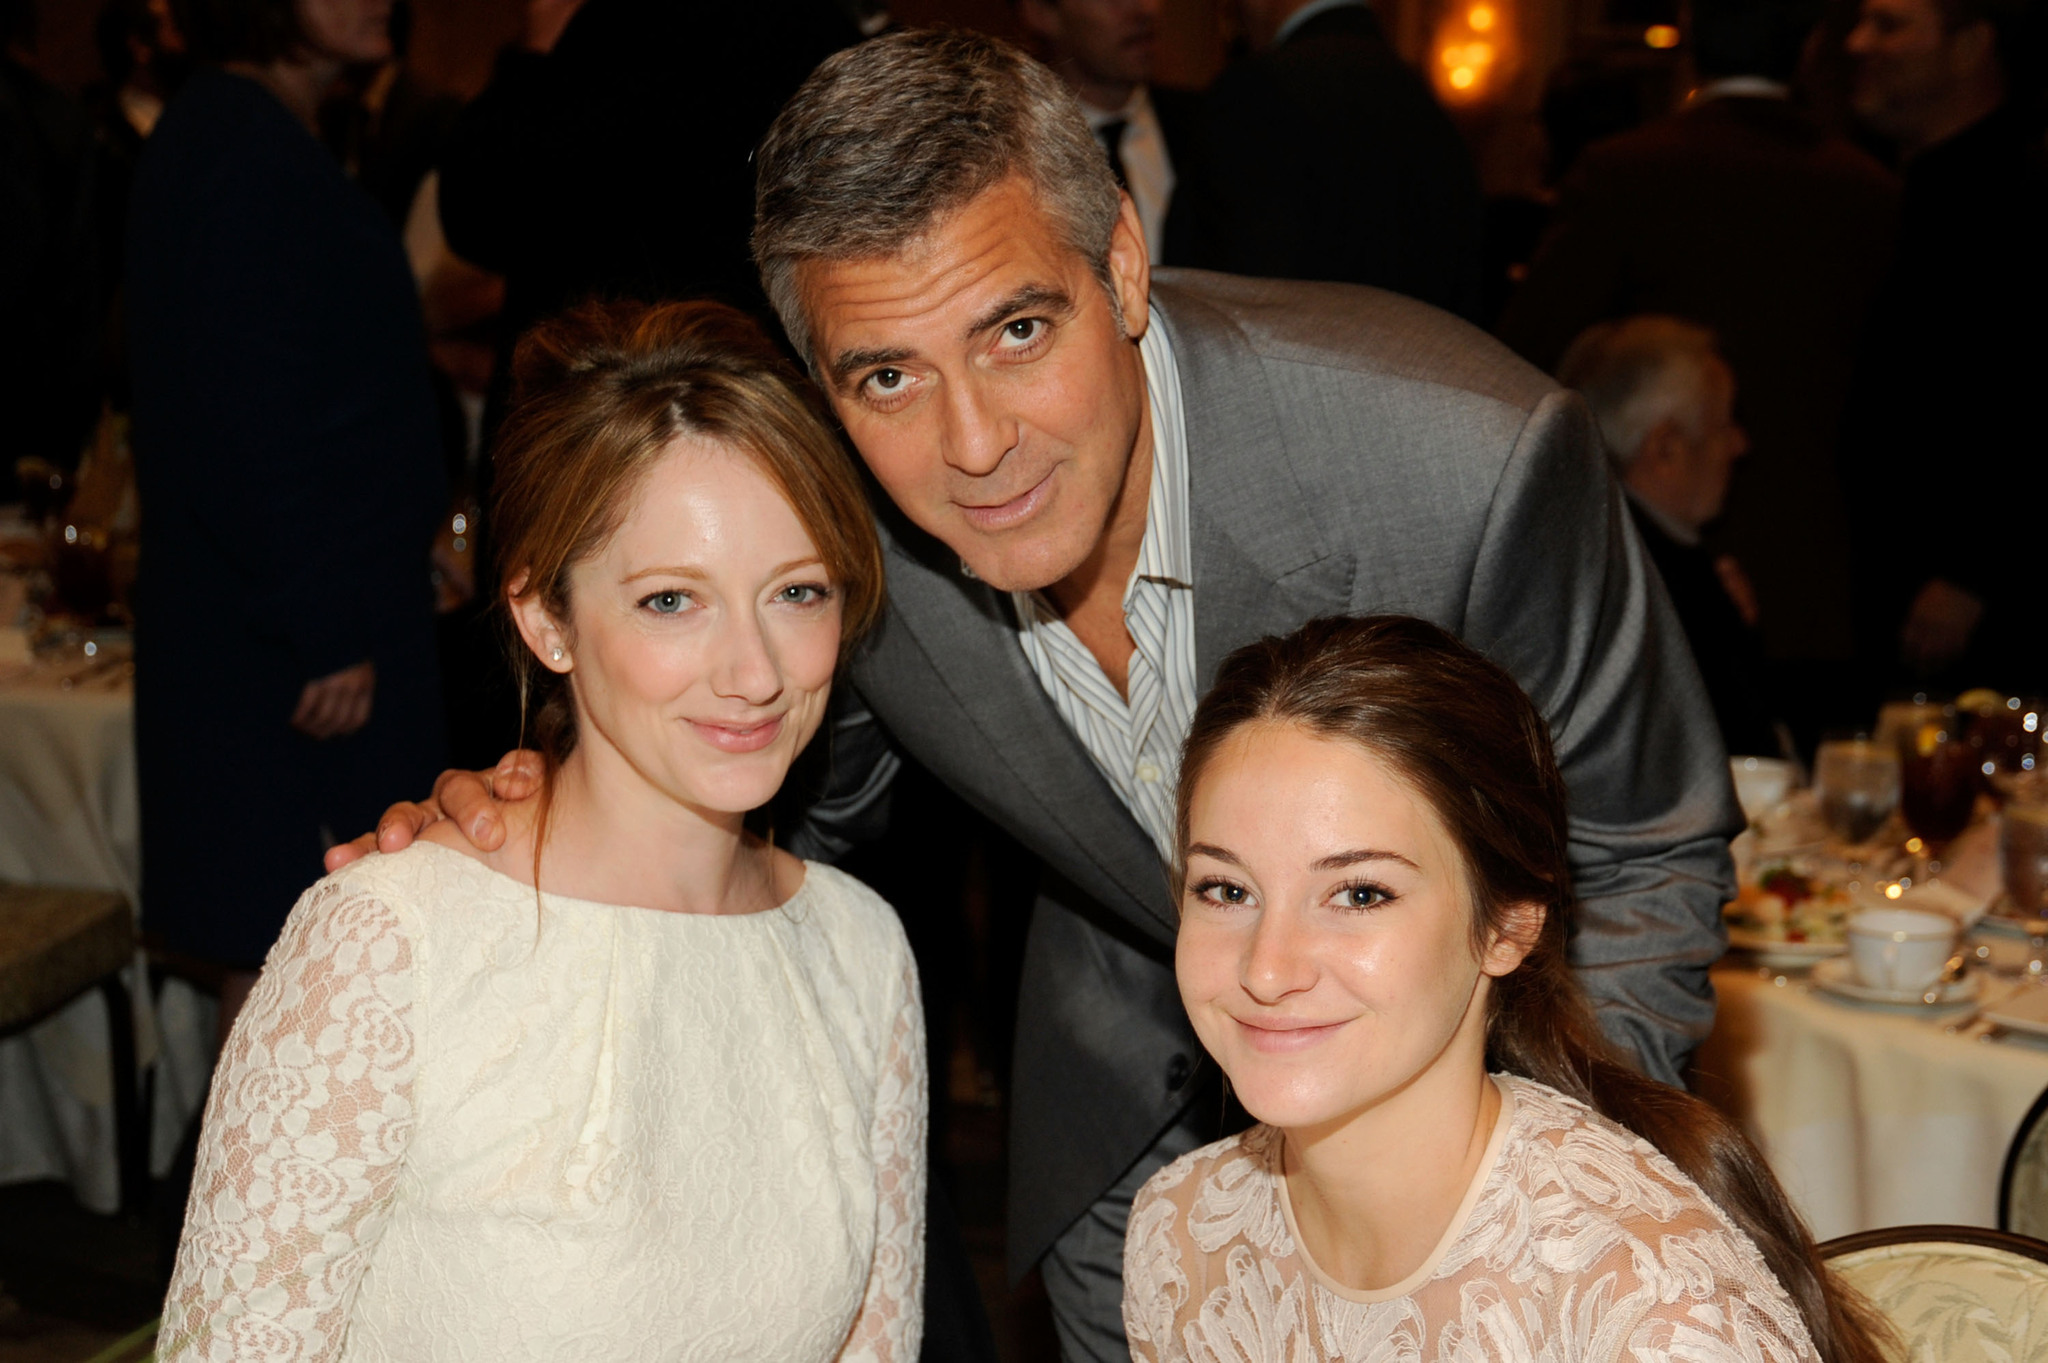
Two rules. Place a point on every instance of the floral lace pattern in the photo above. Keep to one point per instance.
(1584, 1243)
(449, 1127)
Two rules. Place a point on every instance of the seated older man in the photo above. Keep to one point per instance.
(1665, 401)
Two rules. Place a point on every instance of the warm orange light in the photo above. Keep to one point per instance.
(1463, 76)
(1660, 35)
(1480, 18)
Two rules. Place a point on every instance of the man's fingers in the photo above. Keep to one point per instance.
(467, 800)
(342, 853)
(518, 775)
(400, 825)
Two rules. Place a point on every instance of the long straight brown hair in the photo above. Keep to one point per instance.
(1461, 734)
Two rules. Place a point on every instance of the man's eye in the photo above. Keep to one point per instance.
(666, 603)
(886, 380)
(1024, 330)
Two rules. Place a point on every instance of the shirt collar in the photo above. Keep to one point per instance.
(1675, 530)
(1308, 12)
(1739, 87)
(1134, 110)
(1166, 553)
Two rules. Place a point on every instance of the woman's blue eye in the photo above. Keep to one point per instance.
(666, 603)
(802, 593)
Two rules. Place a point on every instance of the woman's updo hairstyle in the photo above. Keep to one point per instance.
(598, 393)
(1458, 730)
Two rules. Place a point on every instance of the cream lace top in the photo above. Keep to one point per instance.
(1577, 1241)
(450, 1127)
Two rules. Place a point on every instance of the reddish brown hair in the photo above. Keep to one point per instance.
(598, 395)
(1458, 730)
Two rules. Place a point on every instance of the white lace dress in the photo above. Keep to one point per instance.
(1577, 1241)
(450, 1127)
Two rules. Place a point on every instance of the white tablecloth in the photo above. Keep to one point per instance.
(1869, 1117)
(68, 816)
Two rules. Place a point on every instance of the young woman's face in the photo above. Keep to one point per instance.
(1325, 951)
(702, 637)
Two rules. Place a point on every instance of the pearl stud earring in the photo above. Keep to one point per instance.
(558, 655)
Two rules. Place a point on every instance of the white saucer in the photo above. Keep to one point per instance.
(2025, 1010)
(1779, 954)
(1838, 976)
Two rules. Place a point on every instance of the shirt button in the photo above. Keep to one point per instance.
(1177, 1071)
(1148, 772)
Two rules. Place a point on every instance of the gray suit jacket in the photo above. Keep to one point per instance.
(1350, 451)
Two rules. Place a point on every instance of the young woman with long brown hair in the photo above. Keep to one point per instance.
(1376, 905)
(637, 1084)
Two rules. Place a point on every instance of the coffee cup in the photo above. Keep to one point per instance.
(1903, 950)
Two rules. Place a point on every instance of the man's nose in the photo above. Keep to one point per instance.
(979, 433)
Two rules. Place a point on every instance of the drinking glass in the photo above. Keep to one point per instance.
(1857, 779)
(2023, 856)
(1939, 780)
(2007, 735)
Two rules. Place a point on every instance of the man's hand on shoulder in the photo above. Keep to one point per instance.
(470, 799)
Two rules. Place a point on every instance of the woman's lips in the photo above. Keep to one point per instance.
(1279, 1036)
(738, 737)
(1003, 515)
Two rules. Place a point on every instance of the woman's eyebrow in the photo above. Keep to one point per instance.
(1337, 861)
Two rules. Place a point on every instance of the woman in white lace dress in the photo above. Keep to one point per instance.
(637, 1085)
(1449, 1165)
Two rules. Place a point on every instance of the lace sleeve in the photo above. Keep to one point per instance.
(1710, 1298)
(309, 1118)
(891, 1319)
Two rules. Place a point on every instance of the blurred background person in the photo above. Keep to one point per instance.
(52, 284)
(1740, 210)
(289, 461)
(1665, 401)
(1322, 155)
(1945, 421)
(1105, 49)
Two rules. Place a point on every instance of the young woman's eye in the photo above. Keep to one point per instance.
(1222, 892)
(666, 603)
(1363, 895)
(804, 593)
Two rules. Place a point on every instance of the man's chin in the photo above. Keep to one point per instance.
(1016, 568)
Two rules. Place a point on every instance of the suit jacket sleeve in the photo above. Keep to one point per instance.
(843, 787)
(1563, 596)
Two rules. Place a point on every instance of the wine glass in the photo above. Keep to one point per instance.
(1939, 780)
(1857, 779)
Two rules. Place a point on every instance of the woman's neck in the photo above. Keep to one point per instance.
(1373, 1195)
(614, 838)
(299, 83)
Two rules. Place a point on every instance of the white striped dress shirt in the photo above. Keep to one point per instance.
(1136, 743)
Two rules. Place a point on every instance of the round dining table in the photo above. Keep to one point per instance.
(69, 817)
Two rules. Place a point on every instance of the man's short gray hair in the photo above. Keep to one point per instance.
(887, 138)
(1638, 373)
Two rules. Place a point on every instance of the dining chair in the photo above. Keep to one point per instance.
(56, 944)
(1955, 1294)
(2023, 1186)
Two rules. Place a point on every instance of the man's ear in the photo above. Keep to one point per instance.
(1514, 939)
(1130, 268)
(548, 638)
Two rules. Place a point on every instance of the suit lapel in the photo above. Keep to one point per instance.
(1261, 563)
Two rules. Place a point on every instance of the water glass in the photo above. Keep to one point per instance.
(2023, 856)
(1858, 781)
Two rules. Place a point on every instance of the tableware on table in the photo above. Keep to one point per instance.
(2006, 732)
(1900, 949)
(2023, 1010)
(1938, 784)
(1897, 718)
(2023, 857)
(1762, 783)
(1778, 954)
(1838, 976)
(1858, 782)
(1790, 911)
(1960, 906)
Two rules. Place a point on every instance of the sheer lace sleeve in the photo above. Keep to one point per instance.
(891, 1320)
(309, 1118)
(1155, 1286)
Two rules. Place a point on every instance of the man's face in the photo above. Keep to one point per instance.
(1904, 63)
(1109, 42)
(983, 376)
(1711, 456)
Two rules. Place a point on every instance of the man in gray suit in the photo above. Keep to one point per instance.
(1101, 481)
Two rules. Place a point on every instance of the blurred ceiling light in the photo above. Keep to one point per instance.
(1660, 36)
(1480, 18)
(1463, 76)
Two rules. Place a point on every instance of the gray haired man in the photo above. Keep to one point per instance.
(1101, 481)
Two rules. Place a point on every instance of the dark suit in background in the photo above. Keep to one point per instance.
(620, 164)
(1724, 647)
(1327, 157)
(1744, 215)
(287, 450)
